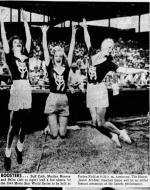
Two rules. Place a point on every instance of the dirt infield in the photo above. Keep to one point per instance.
(85, 150)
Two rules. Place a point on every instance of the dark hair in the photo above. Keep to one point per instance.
(107, 188)
(14, 38)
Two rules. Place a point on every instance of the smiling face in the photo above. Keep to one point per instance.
(58, 57)
(17, 45)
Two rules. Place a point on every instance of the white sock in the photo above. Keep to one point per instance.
(8, 152)
(20, 146)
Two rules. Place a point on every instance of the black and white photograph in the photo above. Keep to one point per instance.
(74, 87)
(75, 188)
(32, 188)
(107, 188)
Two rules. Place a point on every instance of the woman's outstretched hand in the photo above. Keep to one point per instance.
(74, 27)
(23, 14)
(83, 23)
(44, 28)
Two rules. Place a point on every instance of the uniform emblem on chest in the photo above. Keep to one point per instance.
(59, 81)
(22, 68)
(92, 73)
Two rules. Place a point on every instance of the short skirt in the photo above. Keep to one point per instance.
(57, 103)
(20, 95)
(97, 95)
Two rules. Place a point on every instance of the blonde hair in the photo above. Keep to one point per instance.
(58, 49)
(106, 42)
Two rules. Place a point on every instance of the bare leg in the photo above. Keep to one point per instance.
(100, 116)
(12, 129)
(22, 133)
(93, 116)
(113, 130)
(111, 127)
(106, 127)
(25, 123)
(53, 125)
(10, 137)
(106, 124)
(63, 121)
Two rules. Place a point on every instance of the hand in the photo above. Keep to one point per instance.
(24, 17)
(82, 88)
(3, 15)
(44, 28)
(83, 23)
(74, 27)
(72, 90)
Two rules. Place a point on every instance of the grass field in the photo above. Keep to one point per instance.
(85, 150)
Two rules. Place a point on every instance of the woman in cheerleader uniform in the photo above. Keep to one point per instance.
(97, 95)
(17, 58)
(58, 67)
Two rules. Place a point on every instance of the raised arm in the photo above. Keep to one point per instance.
(27, 31)
(3, 32)
(72, 44)
(131, 70)
(86, 34)
(44, 42)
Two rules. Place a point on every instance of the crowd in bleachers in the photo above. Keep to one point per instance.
(126, 54)
(129, 54)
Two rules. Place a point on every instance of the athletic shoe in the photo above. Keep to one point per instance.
(116, 140)
(125, 137)
(19, 156)
(7, 163)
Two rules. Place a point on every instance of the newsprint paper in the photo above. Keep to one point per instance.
(74, 95)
